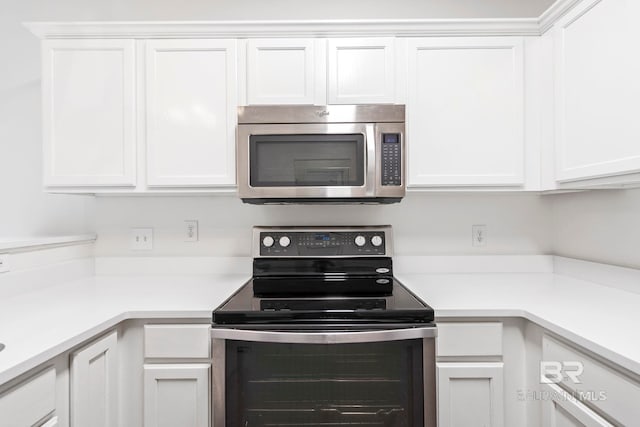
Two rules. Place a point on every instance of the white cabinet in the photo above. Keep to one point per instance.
(28, 403)
(94, 383)
(320, 71)
(471, 374)
(596, 90)
(176, 395)
(470, 394)
(88, 112)
(465, 122)
(361, 71)
(187, 341)
(191, 91)
(614, 394)
(285, 71)
(561, 409)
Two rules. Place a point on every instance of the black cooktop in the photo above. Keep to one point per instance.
(399, 307)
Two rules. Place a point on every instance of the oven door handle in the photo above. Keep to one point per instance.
(324, 337)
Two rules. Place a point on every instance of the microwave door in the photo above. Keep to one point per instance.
(306, 161)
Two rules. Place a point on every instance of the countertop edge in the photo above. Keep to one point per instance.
(66, 345)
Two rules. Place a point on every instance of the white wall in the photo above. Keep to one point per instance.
(601, 226)
(25, 210)
(423, 223)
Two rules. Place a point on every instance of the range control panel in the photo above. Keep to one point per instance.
(321, 243)
(391, 159)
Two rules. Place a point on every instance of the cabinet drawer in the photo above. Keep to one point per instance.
(599, 385)
(469, 339)
(176, 341)
(31, 401)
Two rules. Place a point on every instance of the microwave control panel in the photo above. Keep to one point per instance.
(391, 159)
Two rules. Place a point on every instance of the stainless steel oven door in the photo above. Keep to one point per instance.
(314, 160)
(220, 336)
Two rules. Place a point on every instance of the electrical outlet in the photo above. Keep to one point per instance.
(190, 230)
(4, 263)
(479, 235)
(142, 239)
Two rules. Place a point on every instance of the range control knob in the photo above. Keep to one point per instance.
(267, 241)
(376, 240)
(360, 240)
(284, 241)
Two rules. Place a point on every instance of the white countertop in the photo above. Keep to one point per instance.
(42, 324)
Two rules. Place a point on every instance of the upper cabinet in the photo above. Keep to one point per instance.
(465, 111)
(190, 112)
(285, 71)
(361, 71)
(320, 71)
(502, 105)
(597, 95)
(88, 89)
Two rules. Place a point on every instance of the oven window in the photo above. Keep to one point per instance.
(368, 384)
(307, 160)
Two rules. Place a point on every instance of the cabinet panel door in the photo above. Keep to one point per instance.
(30, 401)
(597, 92)
(191, 103)
(94, 384)
(465, 111)
(361, 71)
(88, 112)
(470, 394)
(285, 71)
(561, 409)
(176, 395)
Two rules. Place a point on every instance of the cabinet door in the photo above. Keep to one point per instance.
(561, 409)
(30, 401)
(191, 101)
(470, 395)
(94, 384)
(285, 71)
(176, 395)
(597, 91)
(88, 112)
(361, 71)
(465, 111)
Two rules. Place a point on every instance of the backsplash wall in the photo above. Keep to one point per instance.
(424, 223)
(601, 226)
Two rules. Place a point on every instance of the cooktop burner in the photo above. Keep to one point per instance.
(323, 278)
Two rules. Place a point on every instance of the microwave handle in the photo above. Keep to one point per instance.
(371, 160)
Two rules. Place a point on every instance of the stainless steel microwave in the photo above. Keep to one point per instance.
(321, 154)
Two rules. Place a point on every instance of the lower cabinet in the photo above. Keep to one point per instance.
(470, 367)
(31, 402)
(176, 375)
(94, 383)
(470, 394)
(561, 409)
(176, 395)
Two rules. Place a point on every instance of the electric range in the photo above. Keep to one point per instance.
(323, 278)
(323, 335)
